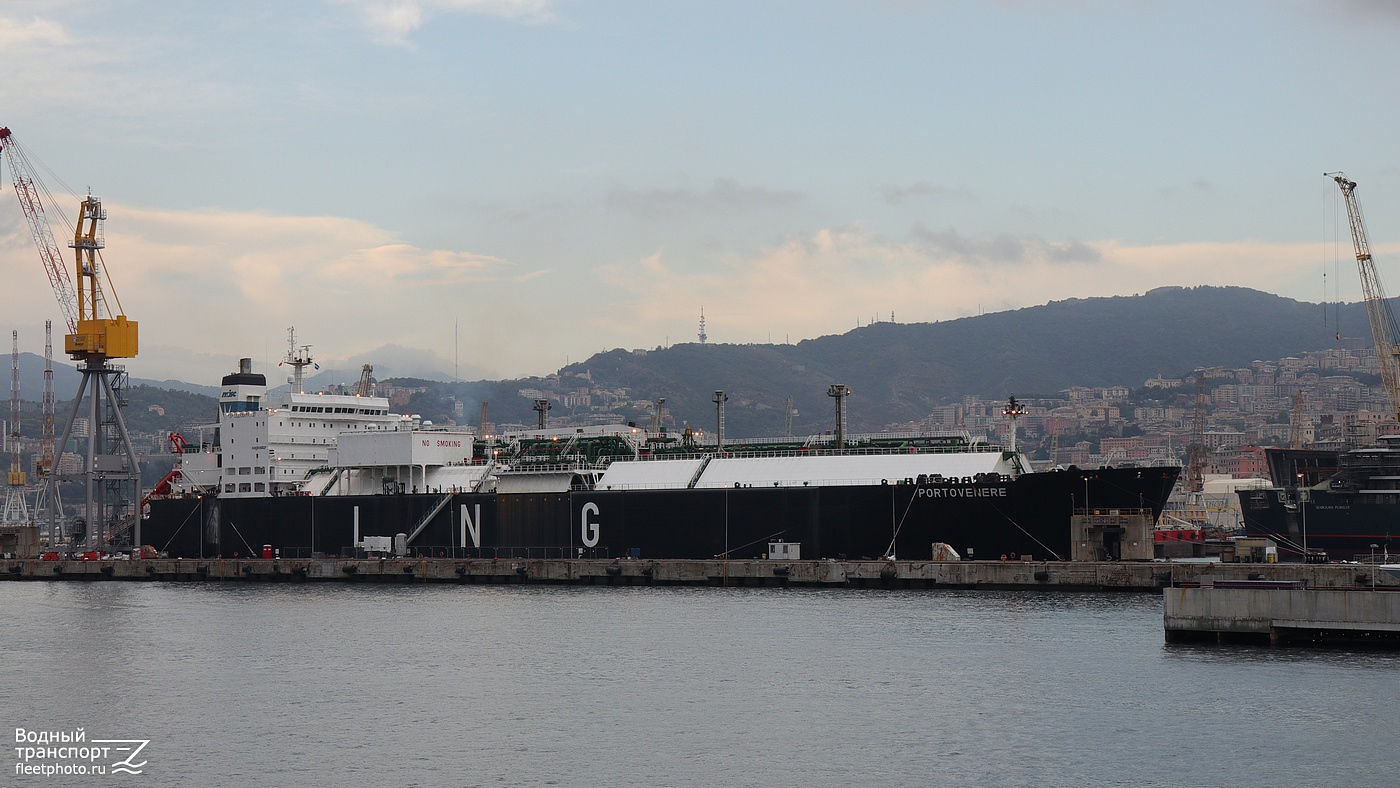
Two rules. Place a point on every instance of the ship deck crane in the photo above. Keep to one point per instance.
(1196, 449)
(1384, 329)
(97, 333)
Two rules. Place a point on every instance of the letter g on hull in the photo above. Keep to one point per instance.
(588, 527)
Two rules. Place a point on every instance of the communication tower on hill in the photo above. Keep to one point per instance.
(703, 335)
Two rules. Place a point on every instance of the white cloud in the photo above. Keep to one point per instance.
(36, 33)
(208, 287)
(394, 20)
(829, 281)
(226, 285)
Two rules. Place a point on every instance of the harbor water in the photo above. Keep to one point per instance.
(427, 685)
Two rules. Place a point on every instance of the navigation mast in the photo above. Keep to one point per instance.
(297, 358)
(1013, 411)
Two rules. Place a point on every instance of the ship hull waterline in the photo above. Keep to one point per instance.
(1027, 516)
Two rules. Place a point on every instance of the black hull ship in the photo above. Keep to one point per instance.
(1339, 506)
(326, 474)
(981, 519)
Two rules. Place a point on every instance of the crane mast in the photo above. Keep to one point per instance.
(1196, 449)
(1384, 330)
(365, 388)
(16, 466)
(52, 528)
(16, 508)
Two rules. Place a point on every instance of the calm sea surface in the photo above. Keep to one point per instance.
(313, 685)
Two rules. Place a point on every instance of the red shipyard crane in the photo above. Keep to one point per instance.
(98, 331)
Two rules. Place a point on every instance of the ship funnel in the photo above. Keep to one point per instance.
(245, 366)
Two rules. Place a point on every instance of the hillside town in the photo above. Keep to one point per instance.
(1328, 399)
(1325, 399)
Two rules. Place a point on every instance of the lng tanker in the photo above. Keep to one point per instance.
(310, 475)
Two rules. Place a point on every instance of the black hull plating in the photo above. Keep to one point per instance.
(1344, 525)
(1028, 516)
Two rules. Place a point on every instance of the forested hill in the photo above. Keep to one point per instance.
(899, 371)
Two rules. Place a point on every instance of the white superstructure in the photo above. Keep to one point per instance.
(272, 451)
(268, 445)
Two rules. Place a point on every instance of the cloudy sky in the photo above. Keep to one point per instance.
(515, 184)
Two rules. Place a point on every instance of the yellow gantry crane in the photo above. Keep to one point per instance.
(1384, 330)
(100, 334)
(96, 334)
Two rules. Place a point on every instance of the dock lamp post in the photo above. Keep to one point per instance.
(1374, 565)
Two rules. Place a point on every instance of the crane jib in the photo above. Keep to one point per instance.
(1385, 331)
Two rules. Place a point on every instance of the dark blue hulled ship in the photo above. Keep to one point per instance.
(1337, 505)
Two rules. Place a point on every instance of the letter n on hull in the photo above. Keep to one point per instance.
(471, 526)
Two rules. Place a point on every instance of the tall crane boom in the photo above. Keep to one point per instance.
(33, 207)
(1384, 329)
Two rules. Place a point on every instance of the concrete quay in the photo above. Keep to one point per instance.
(1262, 611)
(986, 575)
